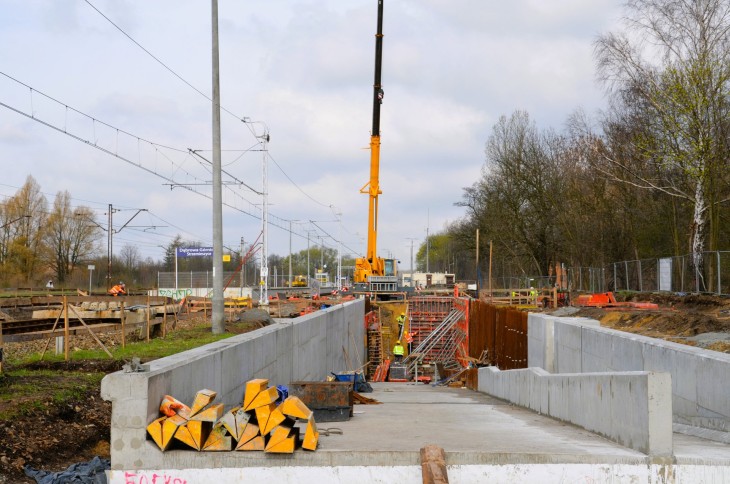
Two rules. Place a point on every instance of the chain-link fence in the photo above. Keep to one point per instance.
(204, 279)
(677, 274)
(673, 274)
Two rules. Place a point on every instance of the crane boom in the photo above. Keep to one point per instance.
(371, 264)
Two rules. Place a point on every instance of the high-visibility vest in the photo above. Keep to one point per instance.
(398, 350)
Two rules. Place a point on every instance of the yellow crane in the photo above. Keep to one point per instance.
(371, 264)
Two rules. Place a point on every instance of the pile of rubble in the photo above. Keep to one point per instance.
(258, 424)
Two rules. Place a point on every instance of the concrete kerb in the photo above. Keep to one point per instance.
(281, 352)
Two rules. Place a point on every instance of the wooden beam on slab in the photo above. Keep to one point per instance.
(433, 465)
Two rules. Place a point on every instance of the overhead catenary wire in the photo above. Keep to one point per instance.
(240, 118)
(125, 159)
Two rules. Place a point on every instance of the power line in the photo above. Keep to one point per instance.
(242, 119)
(168, 68)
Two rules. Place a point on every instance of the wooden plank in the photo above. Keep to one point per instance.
(92, 333)
(433, 465)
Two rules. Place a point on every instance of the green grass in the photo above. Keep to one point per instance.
(175, 342)
(25, 391)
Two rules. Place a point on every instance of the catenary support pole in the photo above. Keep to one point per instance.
(217, 323)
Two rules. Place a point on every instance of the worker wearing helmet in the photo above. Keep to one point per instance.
(398, 351)
(118, 289)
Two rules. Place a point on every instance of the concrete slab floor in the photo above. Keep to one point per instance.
(475, 428)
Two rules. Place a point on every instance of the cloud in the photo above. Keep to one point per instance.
(304, 68)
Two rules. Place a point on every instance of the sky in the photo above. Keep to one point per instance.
(87, 110)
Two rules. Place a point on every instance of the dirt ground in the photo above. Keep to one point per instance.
(52, 436)
(696, 320)
(49, 435)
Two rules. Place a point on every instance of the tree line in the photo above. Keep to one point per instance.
(57, 242)
(646, 177)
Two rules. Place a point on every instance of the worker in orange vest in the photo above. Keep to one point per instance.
(118, 289)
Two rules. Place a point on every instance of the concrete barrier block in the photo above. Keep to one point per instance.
(489, 381)
(536, 340)
(595, 394)
(627, 353)
(284, 341)
(688, 377)
(631, 421)
(567, 348)
(540, 396)
(713, 393)
(659, 401)
(133, 414)
(264, 349)
(556, 398)
(597, 351)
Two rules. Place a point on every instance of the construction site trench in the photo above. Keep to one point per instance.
(51, 413)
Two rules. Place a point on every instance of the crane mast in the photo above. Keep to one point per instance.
(371, 264)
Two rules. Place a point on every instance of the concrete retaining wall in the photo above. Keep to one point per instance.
(631, 408)
(700, 392)
(305, 348)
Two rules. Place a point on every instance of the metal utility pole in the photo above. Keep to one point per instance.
(217, 317)
(428, 221)
(477, 267)
(412, 239)
(109, 251)
(110, 239)
(427, 261)
(243, 270)
(309, 274)
(490, 270)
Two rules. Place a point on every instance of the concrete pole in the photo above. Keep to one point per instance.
(243, 269)
(264, 275)
(339, 253)
(217, 316)
(290, 275)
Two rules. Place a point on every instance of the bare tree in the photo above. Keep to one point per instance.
(130, 258)
(70, 237)
(25, 213)
(672, 64)
(518, 198)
